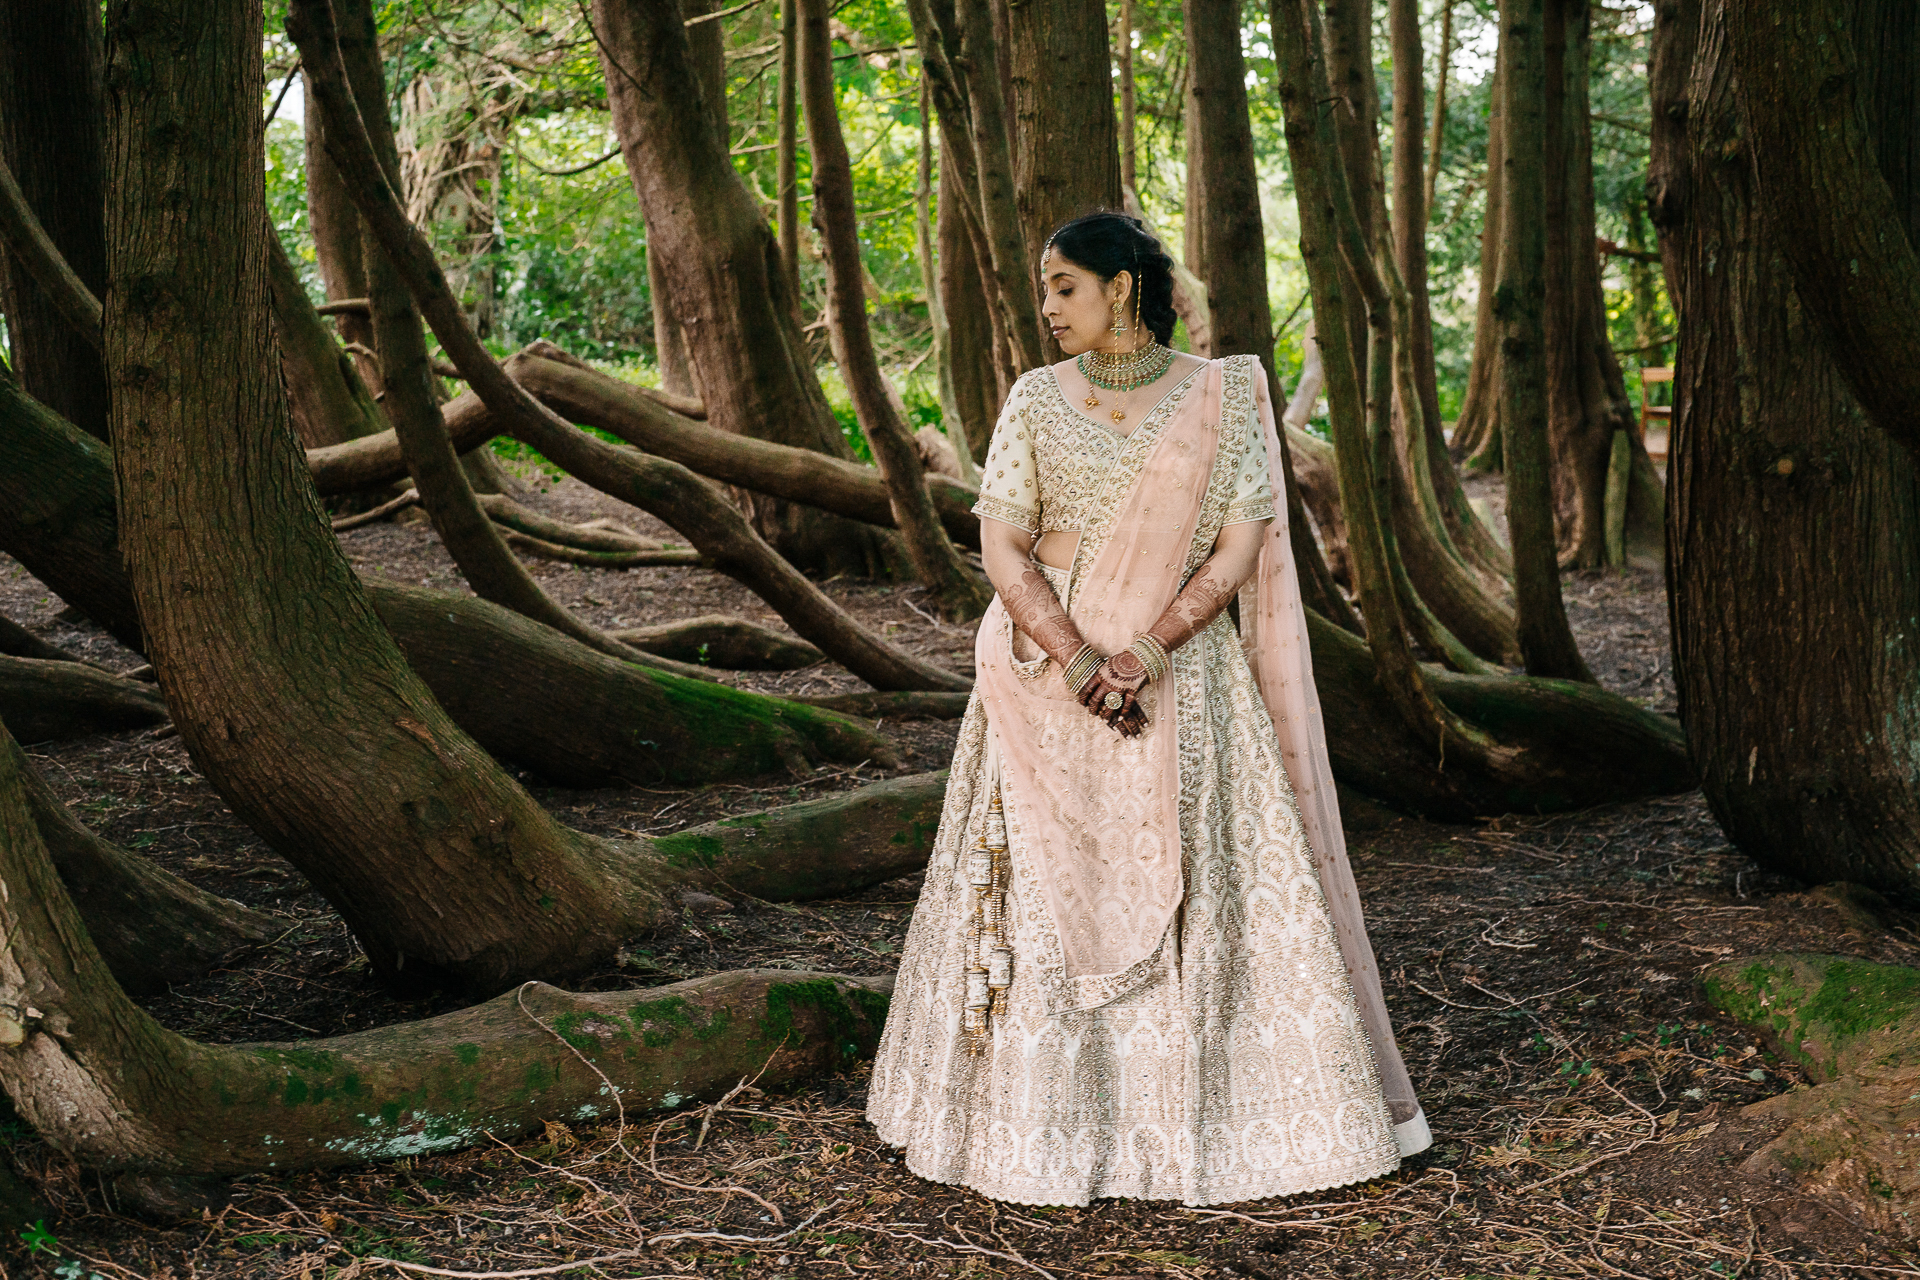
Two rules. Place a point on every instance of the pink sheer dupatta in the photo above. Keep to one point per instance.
(1098, 815)
(1273, 632)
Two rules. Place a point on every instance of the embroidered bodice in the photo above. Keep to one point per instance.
(1048, 462)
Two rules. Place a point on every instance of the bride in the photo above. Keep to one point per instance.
(1138, 966)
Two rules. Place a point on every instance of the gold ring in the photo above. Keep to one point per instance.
(1112, 701)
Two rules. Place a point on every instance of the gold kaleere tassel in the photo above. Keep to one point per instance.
(989, 952)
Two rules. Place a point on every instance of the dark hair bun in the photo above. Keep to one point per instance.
(1107, 243)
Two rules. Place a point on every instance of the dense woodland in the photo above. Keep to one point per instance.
(352, 348)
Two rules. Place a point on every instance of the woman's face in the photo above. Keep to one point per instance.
(1078, 307)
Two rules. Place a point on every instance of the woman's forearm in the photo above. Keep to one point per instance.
(1006, 553)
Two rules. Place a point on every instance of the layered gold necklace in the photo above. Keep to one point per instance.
(1123, 372)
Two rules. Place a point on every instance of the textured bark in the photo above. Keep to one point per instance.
(1476, 432)
(46, 701)
(894, 706)
(51, 137)
(22, 643)
(1587, 393)
(1830, 185)
(1330, 230)
(1439, 104)
(582, 719)
(731, 644)
(971, 369)
(1239, 316)
(1546, 640)
(587, 396)
(37, 257)
(1066, 154)
(787, 159)
(107, 1085)
(1794, 526)
(723, 275)
(153, 928)
(537, 698)
(335, 225)
(956, 592)
(329, 401)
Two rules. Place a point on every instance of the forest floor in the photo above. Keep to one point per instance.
(1585, 1102)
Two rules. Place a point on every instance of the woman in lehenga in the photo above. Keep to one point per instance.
(1138, 966)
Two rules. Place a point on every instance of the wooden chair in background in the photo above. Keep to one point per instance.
(1650, 413)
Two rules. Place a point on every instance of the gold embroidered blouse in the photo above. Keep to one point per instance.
(1048, 462)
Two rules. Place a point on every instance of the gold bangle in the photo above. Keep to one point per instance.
(1080, 670)
(1152, 654)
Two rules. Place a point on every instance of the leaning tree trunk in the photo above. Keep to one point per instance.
(52, 138)
(1240, 317)
(1476, 432)
(1066, 155)
(1793, 533)
(335, 225)
(329, 400)
(956, 591)
(1546, 639)
(1586, 392)
(528, 694)
(107, 1085)
(723, 274)
(971, 368)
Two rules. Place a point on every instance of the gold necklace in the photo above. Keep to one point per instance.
(1123, 372)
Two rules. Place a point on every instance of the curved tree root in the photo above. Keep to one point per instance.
(1570, 744)
(565, 554)
(22, 643)
(732, 644)
(44, 701)
(895, 706)
(580, 718)
(152, 928)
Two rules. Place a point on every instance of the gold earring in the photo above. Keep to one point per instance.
(1118, 327)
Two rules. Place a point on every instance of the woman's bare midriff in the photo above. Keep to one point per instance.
(1056, 547)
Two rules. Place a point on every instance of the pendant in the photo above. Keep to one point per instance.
(1119, 415)
(1092, 401)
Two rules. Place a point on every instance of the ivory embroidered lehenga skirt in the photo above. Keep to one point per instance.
(1239, 1069)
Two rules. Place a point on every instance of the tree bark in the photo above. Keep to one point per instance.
(1546, 640)
(103, 1082)
(787, 159)
(971, 368)
(723, 275)
(48, 701)
(22, 643)
(956, 592)
(729, 643)
(1794, 526)
(1439, 104)
(537, 698)
(335, 225)
(1476, 432)
(1066, 154)
(1123, 63)
(153, 928)
(329, 400)
(1829, 183)
(1239, 316)
(52, 139)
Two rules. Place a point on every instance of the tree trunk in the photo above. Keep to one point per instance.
(48, 701)
(1546, 641)
(537, 698)
(1439, 104)
(1066, 153)
(52, 138)
(723, 275)
(329, 401)
(1476, 432)
(956, 592)
(1239, 318)
(971, 368)
(1794, 529)
(787, 158)
(19, 642)
(153, 928)
(1832, 186)
(1586, 392)
(103, 1082)
(1123, 64)
(335, 225)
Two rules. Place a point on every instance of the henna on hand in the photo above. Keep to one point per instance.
(1200, 602)
(1036, 610)
(1125, 675)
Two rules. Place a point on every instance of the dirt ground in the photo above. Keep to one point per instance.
(1585, 1102)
